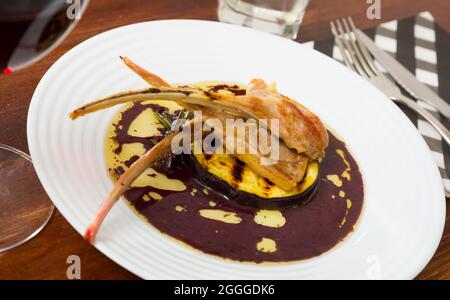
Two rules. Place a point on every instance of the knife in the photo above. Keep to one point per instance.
(405, 78)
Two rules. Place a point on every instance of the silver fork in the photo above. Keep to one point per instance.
(357, 57)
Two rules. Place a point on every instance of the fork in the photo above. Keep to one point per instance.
(357, 57)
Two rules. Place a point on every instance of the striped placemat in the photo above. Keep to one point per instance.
(423, 47)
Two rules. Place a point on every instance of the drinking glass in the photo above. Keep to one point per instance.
(30, 30)
(24, 206)
(282, 17)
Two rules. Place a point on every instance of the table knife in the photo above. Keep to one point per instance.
(405, 78)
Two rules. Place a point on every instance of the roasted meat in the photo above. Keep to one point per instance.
(302, 136)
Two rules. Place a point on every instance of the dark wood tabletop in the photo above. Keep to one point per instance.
(44, 257)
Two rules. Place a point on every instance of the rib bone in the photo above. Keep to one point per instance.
(179, 95)
(124, 181)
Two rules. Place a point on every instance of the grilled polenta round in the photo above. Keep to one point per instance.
(236, 181)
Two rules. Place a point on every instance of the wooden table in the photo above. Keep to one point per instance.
(44, 257)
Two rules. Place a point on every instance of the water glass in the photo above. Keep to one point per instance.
(282, 17)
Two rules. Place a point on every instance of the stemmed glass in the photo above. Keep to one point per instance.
(30, 30)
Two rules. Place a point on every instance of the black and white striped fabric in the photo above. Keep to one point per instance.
(424, 48)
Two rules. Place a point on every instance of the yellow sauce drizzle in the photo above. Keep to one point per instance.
(349, 205)
(194, 191)
(129, 150)
(266, 245)
(270, 218)
(212, 203)
(335, 180)
(180, 208)
(146, 124)
(155, 195)
(220, 215)
(341, 194)
(346, 173)
(159, 181)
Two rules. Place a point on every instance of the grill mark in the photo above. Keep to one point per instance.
(149, 91)
(269, 183)
(233, 89)
(237, 170)
(209, 95)
(157, 91)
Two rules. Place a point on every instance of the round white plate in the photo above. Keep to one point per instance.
(403, 216)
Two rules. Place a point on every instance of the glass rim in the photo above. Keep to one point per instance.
(51, 210)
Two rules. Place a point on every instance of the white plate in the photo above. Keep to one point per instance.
(403, 216)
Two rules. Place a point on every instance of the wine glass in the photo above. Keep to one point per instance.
(30, 30)
(282, 17)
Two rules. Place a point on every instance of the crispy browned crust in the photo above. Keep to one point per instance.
(283, 174)
(286, 172)
(302, 133)
(300, 129)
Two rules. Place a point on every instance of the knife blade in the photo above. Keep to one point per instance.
(405, 78)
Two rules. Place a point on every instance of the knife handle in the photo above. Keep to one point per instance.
(443, 131)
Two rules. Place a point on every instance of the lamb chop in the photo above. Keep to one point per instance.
(302, 135)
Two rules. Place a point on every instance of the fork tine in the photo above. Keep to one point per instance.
(349, 49)
(363, 48)
(359, 56)
(344, 54)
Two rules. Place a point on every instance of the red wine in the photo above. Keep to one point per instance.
(29, 29)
